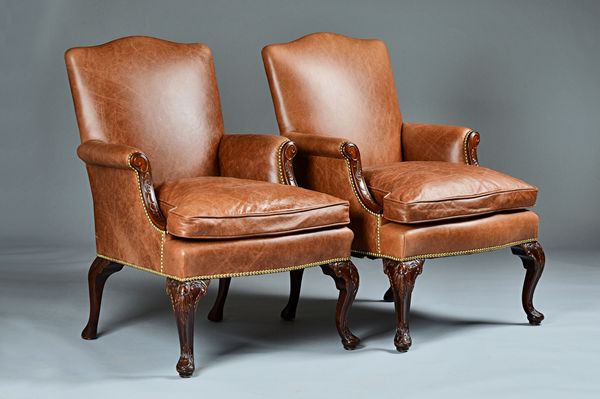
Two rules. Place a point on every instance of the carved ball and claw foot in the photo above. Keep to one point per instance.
(533, 257)
(346, 280)
(289, 312)
(216, 313)
(100, 270)
(185, 296)
(402, 276)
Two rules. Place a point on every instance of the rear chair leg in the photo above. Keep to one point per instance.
(184, 297)
(289, 312)
(533, 258)
(100, 271)
(216, 313)
(402, 276)
(346, 280)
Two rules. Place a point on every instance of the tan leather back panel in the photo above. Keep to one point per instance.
(333, 85)
(158, 96)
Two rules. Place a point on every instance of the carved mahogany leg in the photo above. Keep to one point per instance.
(389, 295)
(289, 312)
(402, 277)
(346, 280)
(184, 297)
(533, 258)
(99, 272)
(216, 313)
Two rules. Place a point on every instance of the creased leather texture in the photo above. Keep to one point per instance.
(327, 89)
(311, 144)
(251, 156)
(330, 175)
(96, 152)
(405, 240)
(333, 85)
(226, 207)
(427, 142)
(159, 100)
(141, 90)
(123, 230)
(185, 258)
(415, 192)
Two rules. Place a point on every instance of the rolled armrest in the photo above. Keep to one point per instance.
(427, 142)
(100, 153)
(321, 146)
(334, 147)
(257, 157)
(119, 156)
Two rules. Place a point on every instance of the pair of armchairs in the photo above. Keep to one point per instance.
(216, 206)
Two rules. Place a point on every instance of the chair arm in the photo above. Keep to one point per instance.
(119, 156)
(427, 142)
(334, 147)
(257, 157)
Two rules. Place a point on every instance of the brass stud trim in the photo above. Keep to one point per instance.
(446, 254)
(279, 162)
(466, 147)
(225, 275)
(161, 231)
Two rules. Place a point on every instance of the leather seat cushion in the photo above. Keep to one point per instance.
(224, 207)
(416, 192)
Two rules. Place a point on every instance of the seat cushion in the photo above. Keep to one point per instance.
(416, 192)
(224, 207)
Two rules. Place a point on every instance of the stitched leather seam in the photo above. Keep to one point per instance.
(281, 212)
(203, 236)
(394, 217)
(447, 254)
(225, 275)
(489, 194)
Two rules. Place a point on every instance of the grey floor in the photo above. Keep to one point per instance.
(470, 337)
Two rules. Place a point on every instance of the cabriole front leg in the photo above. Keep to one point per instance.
(346, 280)
(402, 276)
(533, 258)
(99, 272)
(184, 297)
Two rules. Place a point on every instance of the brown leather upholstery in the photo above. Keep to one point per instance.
(252, 256)
(426, 142)
(149, 116)
(141, 90)
(332, 91)
(225, 207)
(252, 156)
(458, 236)
(332, 85)
(417, 191)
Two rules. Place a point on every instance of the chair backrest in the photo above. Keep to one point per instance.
(333, 85)
(158, 96)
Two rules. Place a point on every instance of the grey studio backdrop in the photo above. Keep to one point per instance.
(526, 74)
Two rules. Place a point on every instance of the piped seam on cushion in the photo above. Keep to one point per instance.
(469, 216)
(278, 213)
(178, 234)
(458, 198)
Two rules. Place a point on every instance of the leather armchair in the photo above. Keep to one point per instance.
(176, 197)
(415, 190)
